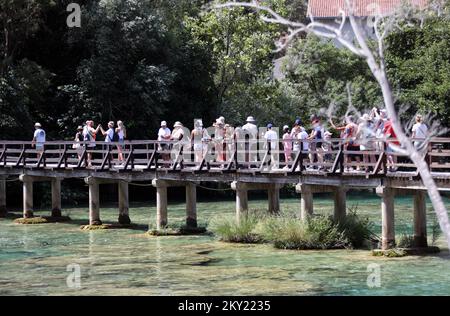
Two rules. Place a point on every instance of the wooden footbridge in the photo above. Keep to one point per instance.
(244, 165)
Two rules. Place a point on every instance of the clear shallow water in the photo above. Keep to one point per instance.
(34, 259)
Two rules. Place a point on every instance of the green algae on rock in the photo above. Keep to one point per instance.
(108, 226)
(177, 231)
(41, 220)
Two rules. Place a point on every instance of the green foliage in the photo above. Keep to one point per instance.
(288, 232)
(405, 241)
(418, 60)
(357, 230)
(315, 233)
(230, 230)
(319, 72)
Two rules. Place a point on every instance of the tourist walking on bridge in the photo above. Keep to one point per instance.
(271, 138)
(419, 132)
(251, 140)
(89, 136)
(164, 134)
(39, 138)
(287, 145)
(79, 139)
(121, 132)
(199, 141)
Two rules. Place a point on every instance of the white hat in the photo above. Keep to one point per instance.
(285, 127)
(177, 124)
(366, 117)
(251, 119)
(220, 122)
(199, 123)
(163, 123)
(37, 125)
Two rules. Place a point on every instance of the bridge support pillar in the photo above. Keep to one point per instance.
(387, 217)
(161, 204)
(124, 205)
(420, 219)
(306, 200)
(3, 209)
(340, 205)
(56, 197)
(27, 196)
(274, 199)
(241, 199)
(94, 201)
(191, 205)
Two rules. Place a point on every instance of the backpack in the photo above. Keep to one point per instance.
(115, 138)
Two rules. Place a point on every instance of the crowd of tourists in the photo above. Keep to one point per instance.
(361, 139)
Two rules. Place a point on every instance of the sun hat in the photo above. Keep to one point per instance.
(177, 124)
(79, 128)
(37, 125)
(163, 123)
(285, 127)
(366, 117)
(251, 119)
(220, 122)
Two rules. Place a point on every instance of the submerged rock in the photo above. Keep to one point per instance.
(42, 220)
(108, 226)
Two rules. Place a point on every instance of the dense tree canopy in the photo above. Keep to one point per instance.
(142, 61)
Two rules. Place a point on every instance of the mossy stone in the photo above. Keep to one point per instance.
(41, 220)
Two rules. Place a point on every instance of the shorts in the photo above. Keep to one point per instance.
(39, 147)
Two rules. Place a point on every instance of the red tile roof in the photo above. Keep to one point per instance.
(330, 8)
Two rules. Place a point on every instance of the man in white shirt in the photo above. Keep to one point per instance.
(419, 131)
(164, 134)
(251, 131)
(39, 139)
(271, 138)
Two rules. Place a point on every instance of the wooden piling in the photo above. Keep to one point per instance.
(161, 204)
(340, 205)
(306, 200)
(3, 209)
(27, 196)
(124, 204)
(274, 199)
(56, 197)
(387, 217)
(191, 205)
(94, 201)
(241, 199)
(420, 219)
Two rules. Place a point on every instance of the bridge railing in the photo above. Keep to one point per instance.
(372, 157)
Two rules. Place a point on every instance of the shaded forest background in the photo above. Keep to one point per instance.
(143, 61)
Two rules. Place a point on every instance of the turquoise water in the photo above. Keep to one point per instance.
(34, 259)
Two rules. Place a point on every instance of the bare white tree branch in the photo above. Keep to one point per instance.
(383, 26)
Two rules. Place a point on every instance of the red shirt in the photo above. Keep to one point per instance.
(389, 132)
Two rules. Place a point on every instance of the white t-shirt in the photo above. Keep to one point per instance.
(420, 129)
(163, 132)
(271, 136)
(39, 135)
(109, 135)
(304, 135)
(251, 129)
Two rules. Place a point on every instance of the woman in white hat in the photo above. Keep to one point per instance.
(199, 140)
